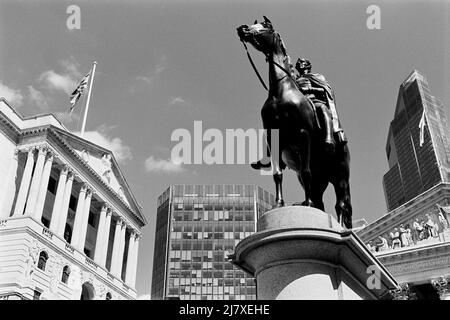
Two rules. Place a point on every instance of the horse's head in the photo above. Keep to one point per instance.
(261, 35)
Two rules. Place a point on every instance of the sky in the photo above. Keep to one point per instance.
(164, 64)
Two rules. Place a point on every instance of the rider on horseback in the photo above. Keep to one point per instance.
(317, 89)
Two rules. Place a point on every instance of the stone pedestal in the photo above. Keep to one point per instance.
(302, 253)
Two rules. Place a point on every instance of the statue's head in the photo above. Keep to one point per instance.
(303, 65)
(260, 35)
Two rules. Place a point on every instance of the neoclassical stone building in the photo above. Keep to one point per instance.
(69, 223)
(421, 266)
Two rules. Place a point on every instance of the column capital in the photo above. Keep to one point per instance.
(441, 284)
(120, 221)
(84, 188)
(50, 155)
(90, 192)
(43, 148)
(65, 169)
(403, 292)
(104, 207)
(70, 174)
(30, 150)
(134, 233)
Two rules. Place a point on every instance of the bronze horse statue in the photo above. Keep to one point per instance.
(292, 115)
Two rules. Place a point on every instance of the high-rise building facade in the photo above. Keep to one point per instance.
(417, 148)
(412, 240)
(197, 226)
(69, 223)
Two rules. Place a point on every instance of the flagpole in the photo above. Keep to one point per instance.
(83, 125)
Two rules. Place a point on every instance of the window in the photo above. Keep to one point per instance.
(52, 185)
(73, 203)
(91, 219)
(43, 257)
(108, 296)
(65, 275)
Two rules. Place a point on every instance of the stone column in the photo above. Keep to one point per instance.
(84, 223)
(121, 250)
(38, 210)
(36, 182)
(56, 213)
(442, 287)
(116, 246)
(100, 234)
(65, 204)
(105, 239)
(25, 183)
(135, 260)
(129, 268)
(78, 216)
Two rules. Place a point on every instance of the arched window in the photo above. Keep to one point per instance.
(87, 291)
(65, 275)
(108, 296)
(43, 257)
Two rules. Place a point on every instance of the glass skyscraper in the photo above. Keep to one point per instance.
(197, 226)
(417, 148)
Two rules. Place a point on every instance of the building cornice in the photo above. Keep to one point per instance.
(397, 215)
(18, 135)
(55, 141)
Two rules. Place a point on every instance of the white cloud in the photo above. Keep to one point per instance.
(57, 81)
(38, 98)
(178, 101)
(12, 95)
(144, 297)
(149, 80)
(65, 81)
(162, 166)
(100, 136)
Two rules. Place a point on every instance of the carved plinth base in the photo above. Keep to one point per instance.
(301, 253)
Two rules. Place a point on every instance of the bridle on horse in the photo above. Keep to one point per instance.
(267, 60)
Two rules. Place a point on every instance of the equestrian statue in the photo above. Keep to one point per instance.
(300, 109)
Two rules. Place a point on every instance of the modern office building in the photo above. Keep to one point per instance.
(69, 223)
(413, 239)
(417, 147)
(197, 227)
